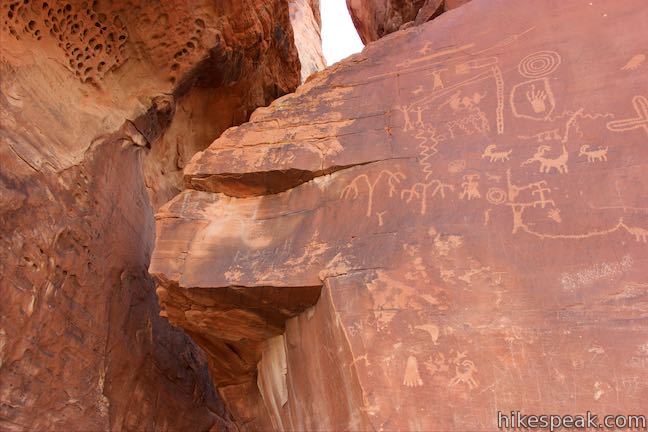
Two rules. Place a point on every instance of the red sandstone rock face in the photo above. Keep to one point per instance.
(103, 103)
(377, 18)
(471, 199)
(306, 22)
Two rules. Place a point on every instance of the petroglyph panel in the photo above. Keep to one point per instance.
(481, 225)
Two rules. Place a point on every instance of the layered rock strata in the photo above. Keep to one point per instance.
(103, 103)
(470, 199)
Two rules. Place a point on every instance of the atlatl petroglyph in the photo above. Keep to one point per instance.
(640, 104)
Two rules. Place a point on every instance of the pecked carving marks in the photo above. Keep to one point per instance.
(415, 278)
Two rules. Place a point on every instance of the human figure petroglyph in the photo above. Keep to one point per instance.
(406, 115)
(412, 378)
(559, 162)
(540, 189)
(640, 105)
(470, 187)
(410, 123)
(598, 155)
(352, 189)
(514, 190)
(437, 81)
(494, 72)
(496, 156)
(518, 216)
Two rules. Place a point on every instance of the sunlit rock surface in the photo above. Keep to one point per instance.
(452, 223)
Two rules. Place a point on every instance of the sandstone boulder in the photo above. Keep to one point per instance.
(451, 224)
(377, 18)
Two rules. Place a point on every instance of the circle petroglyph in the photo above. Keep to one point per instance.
(496, 196)
(539, 64)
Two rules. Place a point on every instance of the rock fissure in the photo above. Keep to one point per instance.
(250, 184)
(83, 347)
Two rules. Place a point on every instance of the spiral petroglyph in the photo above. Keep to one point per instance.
(539, 64)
